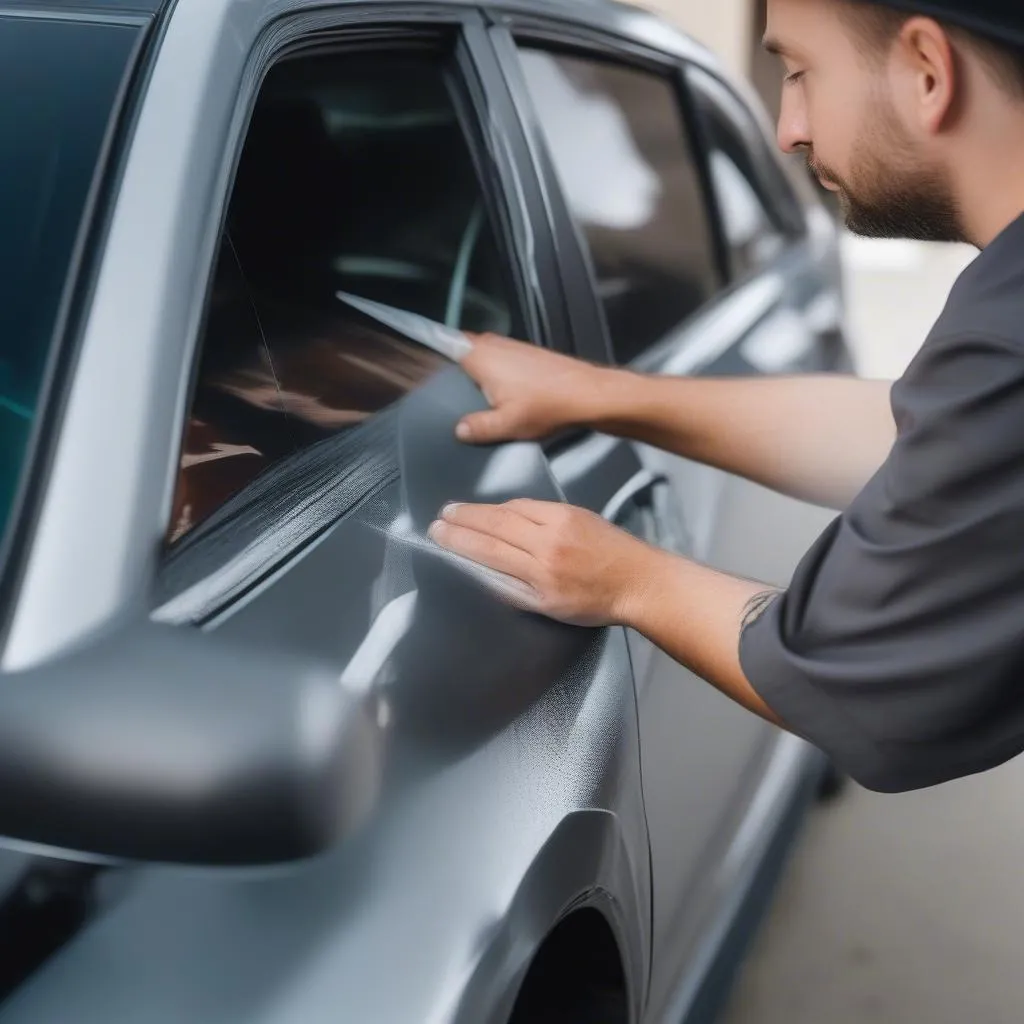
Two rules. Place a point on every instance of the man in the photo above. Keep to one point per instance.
(899, 646)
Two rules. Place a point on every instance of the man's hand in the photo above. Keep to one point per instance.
(533, 392)
(577, 567)
(790, 434)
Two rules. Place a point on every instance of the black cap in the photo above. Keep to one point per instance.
(1001, 20)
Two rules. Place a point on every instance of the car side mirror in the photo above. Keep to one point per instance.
(167, 744)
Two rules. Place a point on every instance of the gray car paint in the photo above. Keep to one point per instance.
(513, 782)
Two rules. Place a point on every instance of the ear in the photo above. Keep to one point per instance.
(926, 54)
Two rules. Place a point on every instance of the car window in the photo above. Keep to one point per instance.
(753, 230)
(622, 152)
(355, 177)
(52, 132)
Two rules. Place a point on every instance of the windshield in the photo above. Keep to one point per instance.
(60, 80)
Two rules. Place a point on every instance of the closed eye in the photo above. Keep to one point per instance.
(795, 77)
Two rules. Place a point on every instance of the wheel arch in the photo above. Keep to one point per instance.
(584, 867)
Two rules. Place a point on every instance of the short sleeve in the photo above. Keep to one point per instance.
(898, 648)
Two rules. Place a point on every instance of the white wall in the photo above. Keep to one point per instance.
(895, 292)
(722, 25)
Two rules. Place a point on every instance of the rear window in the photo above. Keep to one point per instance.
(60, 81)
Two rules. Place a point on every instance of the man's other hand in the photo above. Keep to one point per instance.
(577, 567)
(533, 392)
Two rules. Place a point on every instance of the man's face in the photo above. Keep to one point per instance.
(842, 107)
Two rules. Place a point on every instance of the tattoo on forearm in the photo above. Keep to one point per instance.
(755, 607)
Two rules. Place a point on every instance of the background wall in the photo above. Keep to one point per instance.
(733, 29)
(725, 26)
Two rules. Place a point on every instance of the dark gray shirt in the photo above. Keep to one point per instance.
(899, 647)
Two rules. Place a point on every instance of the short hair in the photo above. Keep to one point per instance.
(878, 25)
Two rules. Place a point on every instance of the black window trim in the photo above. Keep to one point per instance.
(558, 36)
(226, 557)
(586, 331)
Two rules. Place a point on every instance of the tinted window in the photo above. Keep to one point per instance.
(355, 176)
(59, 82)
(753, 230)
(621, 149)
(237, 427)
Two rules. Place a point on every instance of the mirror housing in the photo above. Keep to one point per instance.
(166, 744)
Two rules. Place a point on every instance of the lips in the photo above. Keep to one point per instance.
(823, 179)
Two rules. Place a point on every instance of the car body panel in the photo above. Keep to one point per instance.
(395, 925)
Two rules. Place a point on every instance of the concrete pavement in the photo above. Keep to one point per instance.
(904, 909)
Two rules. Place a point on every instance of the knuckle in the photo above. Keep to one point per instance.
(497, 519)
(555, 549)
(563, 528)
(561, 555)
(564, 516)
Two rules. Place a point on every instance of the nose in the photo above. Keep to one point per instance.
(793, 131)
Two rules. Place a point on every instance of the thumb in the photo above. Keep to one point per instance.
(485, 427)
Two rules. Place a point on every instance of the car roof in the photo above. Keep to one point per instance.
(625, 20)
(58, 7)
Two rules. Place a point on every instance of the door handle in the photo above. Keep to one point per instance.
(632, 493)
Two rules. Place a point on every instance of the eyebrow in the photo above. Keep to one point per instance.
(772, 45)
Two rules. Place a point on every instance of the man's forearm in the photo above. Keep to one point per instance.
(818, 438)
(696, 615)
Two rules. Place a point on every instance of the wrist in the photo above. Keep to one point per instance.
(600, 394)
(642, 583)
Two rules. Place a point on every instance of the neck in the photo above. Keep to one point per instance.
(985, 219)
(990, 184)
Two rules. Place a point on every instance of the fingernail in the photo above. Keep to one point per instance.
(434, 529)
(462, 431)
(449, 510)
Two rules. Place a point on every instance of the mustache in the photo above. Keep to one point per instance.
(822, 171)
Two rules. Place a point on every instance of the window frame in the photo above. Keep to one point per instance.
(771, 184)
(194, 578)
(517, 31)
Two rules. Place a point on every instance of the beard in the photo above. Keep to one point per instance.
(898, 196)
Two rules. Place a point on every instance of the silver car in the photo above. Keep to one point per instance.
(266, 756)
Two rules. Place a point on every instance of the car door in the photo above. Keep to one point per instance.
(319, 446)
(272, 459)
(680, 289)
